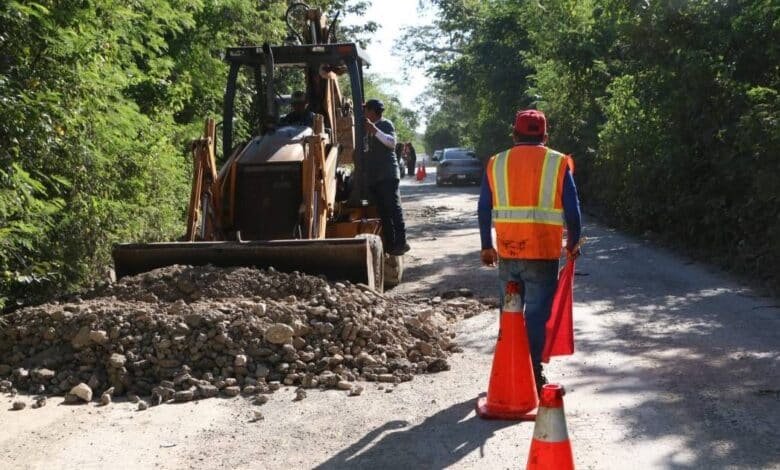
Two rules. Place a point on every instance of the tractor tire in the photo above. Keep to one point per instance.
(394, 270)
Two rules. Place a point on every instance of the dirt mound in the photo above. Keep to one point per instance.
(189, 284)
(181, 333)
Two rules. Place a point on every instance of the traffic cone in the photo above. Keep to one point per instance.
(550, 447)
(425, 172)
(420, 172)
(512, 390)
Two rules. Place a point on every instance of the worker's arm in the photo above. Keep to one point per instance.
(387, 139)
(384, 132)
(485, 214)
(571, 211)
(488, 255)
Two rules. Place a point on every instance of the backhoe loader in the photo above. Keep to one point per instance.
(291, 197)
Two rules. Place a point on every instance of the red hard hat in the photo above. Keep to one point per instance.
(531, 122)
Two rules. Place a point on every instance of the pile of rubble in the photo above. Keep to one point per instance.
(182, 333)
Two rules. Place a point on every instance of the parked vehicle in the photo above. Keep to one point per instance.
(436, 155)
(459, 166)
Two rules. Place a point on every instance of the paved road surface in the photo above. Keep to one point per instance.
(677, 367)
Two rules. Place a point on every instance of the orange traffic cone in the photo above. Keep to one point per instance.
(512, 389)
(550, 447)
(425, 173)
(420, 172)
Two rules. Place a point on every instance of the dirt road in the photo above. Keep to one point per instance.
(677, 367)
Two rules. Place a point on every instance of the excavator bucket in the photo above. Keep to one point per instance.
(357, 260)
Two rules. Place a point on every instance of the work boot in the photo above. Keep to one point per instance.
(541, 380)
(399, 250)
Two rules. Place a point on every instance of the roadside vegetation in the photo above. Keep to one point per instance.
(671, 109)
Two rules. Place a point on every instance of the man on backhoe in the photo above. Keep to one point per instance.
(528, 193)
(300, 115)
(384, 177)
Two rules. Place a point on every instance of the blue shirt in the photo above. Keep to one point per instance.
(571, 211)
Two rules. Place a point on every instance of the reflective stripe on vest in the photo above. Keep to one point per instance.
(548, 187)
(500, 177)
(528, 215)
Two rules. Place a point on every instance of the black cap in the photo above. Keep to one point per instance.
(376, 105)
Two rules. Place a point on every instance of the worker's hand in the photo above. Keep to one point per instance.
(573, 253)
(371, 128)
(489, 257)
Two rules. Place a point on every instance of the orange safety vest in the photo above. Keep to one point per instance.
(527, 186)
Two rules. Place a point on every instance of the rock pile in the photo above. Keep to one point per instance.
(181, 333)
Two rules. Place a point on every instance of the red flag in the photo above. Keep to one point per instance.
(560, 327)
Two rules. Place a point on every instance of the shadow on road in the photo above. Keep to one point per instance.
(704, 361)
(456, 271)
(438, 442)
(436, 215)
(697, 358)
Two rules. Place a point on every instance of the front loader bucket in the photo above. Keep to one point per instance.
(358, 260)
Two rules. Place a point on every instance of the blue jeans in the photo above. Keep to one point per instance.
(538, 280)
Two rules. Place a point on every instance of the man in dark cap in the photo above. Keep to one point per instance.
(383, 177)
(299, 116)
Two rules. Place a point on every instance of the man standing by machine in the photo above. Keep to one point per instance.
(384, 177)
(300, 115)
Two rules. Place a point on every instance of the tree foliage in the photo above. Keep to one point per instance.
(446, 126)
(99, 102)
(404, 119)
(671, 108)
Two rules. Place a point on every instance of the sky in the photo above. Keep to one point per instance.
(392, 16)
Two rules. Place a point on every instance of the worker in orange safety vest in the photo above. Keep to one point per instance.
(528, 194)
